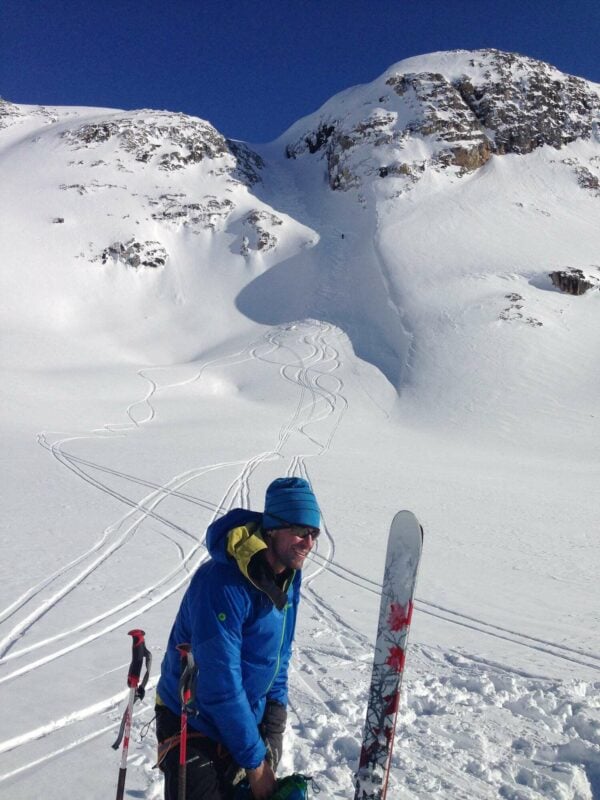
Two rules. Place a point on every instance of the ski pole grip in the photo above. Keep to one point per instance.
(138, 650)
(188, 674)
(184, 651)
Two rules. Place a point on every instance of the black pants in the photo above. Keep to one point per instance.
(210, 769)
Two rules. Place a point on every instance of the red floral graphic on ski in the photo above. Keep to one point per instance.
(400, 616)
(398, 621)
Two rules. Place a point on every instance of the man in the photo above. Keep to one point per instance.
(239, 615)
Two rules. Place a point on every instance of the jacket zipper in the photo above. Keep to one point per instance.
(285, 611)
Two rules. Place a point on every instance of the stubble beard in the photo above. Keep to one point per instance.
(288, 558)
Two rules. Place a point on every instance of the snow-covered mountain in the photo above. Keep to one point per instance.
(372, 300)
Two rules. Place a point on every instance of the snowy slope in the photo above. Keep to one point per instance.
(365, 302)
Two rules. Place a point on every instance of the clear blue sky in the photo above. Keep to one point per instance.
(253, 67)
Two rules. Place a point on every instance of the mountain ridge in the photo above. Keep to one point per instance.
(154, 220)
(488, 103)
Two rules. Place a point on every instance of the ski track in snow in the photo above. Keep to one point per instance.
(561, 651)
(233, 495)
(553, 727)
(308, 366)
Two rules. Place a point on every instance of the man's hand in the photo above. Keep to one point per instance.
(262, 781)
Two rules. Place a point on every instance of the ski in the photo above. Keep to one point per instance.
(395, 614)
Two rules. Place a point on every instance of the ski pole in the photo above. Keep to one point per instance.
(187, 687)
(139, 654)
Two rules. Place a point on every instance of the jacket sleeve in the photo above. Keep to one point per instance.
(217, 621)
(278, 692)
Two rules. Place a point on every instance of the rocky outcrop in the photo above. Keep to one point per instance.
(586, 178)
(135, 254)
(445, 116)
(257, 232)
(9, 113)
(524, 104)
(172, 141)
(248, 163)
(573, 281)
(339, 144)
(169, 142)
(492, 103)
(89, 188)
(209, 214)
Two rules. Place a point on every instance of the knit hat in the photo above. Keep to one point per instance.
(291, 501)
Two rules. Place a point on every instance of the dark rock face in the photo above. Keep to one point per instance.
(586, 179)
(339, 142)
(525, 105)
(249, 163)
(445, 116)
(314, 141)
(572, 281)
(501, 103)
(257, 232)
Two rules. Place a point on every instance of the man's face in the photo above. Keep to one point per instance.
(286, 550)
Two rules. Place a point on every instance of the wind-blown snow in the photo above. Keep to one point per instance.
(399, 348)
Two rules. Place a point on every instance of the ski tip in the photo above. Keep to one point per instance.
(406, 517)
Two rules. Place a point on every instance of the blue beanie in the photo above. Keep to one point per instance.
(290, 500)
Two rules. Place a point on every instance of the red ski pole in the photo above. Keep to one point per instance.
(187, 685)
(136, 690)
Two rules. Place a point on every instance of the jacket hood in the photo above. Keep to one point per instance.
(237, 538)
(216, 534)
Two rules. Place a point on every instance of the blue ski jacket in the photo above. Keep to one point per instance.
(240, 640)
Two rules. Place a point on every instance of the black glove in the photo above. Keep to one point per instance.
(271, 729)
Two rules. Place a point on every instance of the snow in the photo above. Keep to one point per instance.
(391, 366)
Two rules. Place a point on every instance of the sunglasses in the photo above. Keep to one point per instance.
(302, 531)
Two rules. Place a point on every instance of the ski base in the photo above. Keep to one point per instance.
(395, 615)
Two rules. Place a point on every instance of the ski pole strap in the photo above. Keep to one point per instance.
(187, 681)
(141, 688)
(140, 655)
(166, 745)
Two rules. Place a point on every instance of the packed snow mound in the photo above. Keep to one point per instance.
(145, 220)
